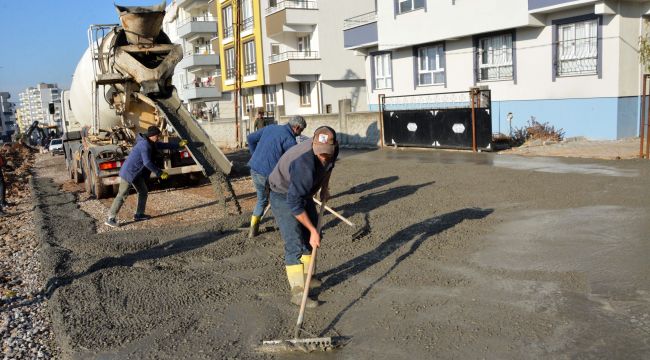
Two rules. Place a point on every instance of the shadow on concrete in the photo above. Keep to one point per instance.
(416, 233)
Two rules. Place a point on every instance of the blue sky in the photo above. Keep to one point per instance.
(42, 40)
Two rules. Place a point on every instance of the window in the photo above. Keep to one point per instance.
(229, 54)
(249, 59)
(247, 14)
(305, 93)
(409, 5)
(577, 48)
(249, 100)
(269, 99)
(304, 44)
(495, 58)
(226, 20)
(383, 77)
(431, 66)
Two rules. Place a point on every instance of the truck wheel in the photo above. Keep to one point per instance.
(76, 173)
(99, 189)
(87, 176)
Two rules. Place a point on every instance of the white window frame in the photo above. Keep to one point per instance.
(383, 71)
(247, 15)
(226, 19)
(304, 90)
(404, 6)
(495, 58)
(269, 99)
(304, 43)
(250, 59)
(229, 59)
(432, 67)
(571, 59)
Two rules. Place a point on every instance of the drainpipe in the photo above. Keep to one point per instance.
(319, 89)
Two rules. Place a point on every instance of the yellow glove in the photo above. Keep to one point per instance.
(164, 175)
(182, 143)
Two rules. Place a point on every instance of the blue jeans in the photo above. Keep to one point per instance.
(261, 184)
(295, 236)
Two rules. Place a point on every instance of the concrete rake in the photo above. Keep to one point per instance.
(304, 344)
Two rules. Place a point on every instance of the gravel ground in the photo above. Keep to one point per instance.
(581, 148)
(464, 256)
(25, 328)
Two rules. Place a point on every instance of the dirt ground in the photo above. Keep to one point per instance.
(467, 256)
(628, 148)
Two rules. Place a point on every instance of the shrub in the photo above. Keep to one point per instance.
(535, 130)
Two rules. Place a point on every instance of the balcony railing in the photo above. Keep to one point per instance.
(290, 4)
(196, 19)
(247, 24)
(250, 69)
(360, 20)
(227, 32)
(294, 55)
(230, 73)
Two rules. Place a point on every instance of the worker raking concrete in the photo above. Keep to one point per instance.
(301, 172)
(266, 146)
(137, 167)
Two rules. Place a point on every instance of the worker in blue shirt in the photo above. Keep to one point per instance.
(137, 167)
(266, 147)
(301, 172)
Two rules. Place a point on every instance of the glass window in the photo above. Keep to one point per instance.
(431, 68)
(269, 100)
(409, 5)
(250, 67)
(247, 14)
(577, 48)
(305, 93)
(226, 20)
(495, 57)
(383, 75)
(229, 54)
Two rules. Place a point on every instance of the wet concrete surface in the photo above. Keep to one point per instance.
(467, 256)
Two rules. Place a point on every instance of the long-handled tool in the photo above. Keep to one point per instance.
(334, 213)
(305, 344)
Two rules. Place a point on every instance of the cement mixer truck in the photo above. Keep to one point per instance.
(121, 86)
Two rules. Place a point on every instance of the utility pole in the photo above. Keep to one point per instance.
(238, 75)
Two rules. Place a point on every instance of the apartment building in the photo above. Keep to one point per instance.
(572, 63)
(35, 104)
(291, 55)
(7, 118)
(197, 76)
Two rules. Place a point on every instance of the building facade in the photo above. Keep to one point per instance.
(571, 63)
(35, 105)
(197, 76)
(289, 56)
(7, 117)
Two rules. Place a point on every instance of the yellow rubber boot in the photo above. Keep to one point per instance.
(313, 283)
(297, 282)
(255, 226)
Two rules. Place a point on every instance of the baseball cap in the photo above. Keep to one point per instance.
(324, 141)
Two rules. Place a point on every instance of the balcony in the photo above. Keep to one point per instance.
(282, 67)
(189, 4)
(197, 26)
(191, 92)
(291, 16)
(360, 31)
(195, 62)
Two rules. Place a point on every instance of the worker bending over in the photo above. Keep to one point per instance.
(301, 172)
(266, 147)
(137, 167)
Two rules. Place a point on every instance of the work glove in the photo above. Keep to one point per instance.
(183, 143)
(164, 175)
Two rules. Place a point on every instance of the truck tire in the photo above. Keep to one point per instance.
(87, 176)
(76, 173)
(99, 189)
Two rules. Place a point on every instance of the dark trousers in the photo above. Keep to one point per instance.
(295, 236)
(140, 187)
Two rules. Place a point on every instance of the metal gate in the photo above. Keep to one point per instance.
(457, 120)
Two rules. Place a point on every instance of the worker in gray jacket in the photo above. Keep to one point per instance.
(301, 172)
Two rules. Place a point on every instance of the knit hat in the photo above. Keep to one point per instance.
(324, 141)
(153, 131)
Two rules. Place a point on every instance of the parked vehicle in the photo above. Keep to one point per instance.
(56, 146)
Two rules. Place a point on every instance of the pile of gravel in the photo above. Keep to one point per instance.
(24, 320)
